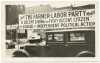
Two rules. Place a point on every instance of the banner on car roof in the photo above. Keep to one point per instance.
(58, 19)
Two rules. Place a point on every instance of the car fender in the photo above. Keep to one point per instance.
(85, 54)
(21, 53)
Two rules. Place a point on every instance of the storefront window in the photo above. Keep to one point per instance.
(22, 34)
(77, 36)
(11, 34)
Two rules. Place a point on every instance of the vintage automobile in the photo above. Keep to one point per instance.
(60, 44)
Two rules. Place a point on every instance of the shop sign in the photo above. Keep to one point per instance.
(10, 27)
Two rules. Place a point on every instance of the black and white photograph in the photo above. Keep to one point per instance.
(50, 30)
